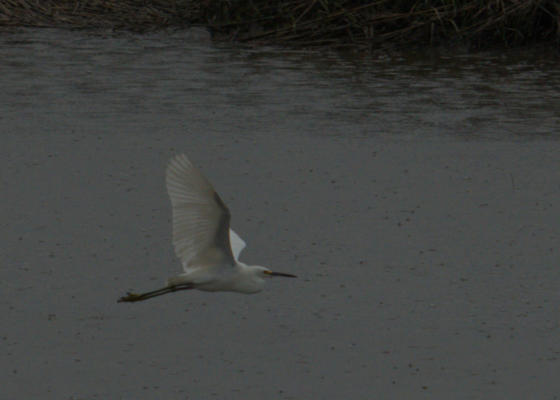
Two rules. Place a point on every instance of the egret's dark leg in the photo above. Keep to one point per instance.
(148, 295)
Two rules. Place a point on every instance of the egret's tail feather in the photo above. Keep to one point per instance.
(178, 280)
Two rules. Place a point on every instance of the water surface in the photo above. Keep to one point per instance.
(416, 196)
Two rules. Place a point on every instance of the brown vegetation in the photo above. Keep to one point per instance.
(477, 23)
(334, 23)
(136, 15)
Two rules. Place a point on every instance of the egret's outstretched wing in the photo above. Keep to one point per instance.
(200, 217)
(237, 244)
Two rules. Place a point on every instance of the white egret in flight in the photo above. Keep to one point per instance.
(208, 248)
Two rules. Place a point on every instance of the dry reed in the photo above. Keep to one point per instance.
(478, 23)
(334, 23)
(136, 15)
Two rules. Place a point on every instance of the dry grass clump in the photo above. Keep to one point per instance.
(333, 23)
(372, 23)
(136, 15)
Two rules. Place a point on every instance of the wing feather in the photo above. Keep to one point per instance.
(200, 217)
(237, 244)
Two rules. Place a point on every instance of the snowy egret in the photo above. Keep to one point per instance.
(207, 247)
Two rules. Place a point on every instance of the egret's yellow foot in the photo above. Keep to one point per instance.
(130, 297)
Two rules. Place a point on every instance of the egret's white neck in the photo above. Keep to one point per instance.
(250, 279)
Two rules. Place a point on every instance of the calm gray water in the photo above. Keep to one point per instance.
(417, 197)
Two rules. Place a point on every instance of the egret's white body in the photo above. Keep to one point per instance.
(208, 249)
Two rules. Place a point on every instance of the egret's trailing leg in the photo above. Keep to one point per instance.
(130, 297)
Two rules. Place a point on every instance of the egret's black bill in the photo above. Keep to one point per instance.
(283, 274)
